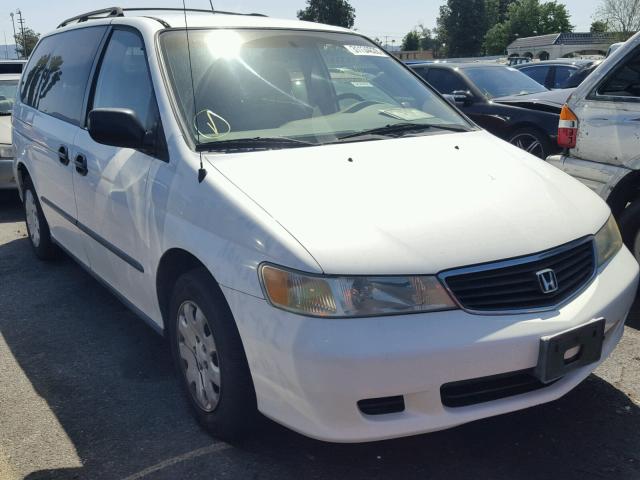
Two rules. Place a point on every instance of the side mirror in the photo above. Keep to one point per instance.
(450, 98)
(462, 97)
(117, 127)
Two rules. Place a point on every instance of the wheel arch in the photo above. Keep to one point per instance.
(626, 191)
(23, 174)
(174, 263)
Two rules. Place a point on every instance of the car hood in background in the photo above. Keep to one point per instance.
(553, 99)
(5, 129)
(416, 205)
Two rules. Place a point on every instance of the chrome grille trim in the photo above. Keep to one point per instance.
(446, 275)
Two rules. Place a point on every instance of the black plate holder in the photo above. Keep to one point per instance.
(552, 364)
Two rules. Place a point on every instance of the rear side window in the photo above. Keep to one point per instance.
(562, 75)
(56, 77)
(13, 67)
(445, 81)
(625, 82)
(539, 74)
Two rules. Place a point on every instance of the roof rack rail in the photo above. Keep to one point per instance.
(102, 13)
(119, 12)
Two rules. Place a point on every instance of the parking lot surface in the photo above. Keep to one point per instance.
(88, 392)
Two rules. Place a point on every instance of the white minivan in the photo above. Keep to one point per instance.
(322, 237)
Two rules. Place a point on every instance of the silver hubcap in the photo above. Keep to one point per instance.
(31, 211)
(198, 356)
(529, 143)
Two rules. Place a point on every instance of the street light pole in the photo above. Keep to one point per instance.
(24, 39)
(14, 34)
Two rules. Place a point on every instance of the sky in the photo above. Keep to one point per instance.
(375, 18)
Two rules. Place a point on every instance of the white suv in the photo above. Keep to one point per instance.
(322, 237)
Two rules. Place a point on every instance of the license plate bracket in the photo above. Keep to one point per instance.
(569, 350)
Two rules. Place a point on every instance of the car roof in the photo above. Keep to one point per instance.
(558, 61)
(175, 18)
(462, 66)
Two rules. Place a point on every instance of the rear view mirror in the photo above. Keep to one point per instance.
(117, 127)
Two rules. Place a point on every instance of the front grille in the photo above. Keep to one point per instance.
(487, 389)
(514, 285)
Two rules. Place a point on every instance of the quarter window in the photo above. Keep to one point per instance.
(124, 80)
(58, 72)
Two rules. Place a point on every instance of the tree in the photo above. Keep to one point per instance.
(411, 41)
(333, 12)
(599, 26)
(527, 18)
(620, 15)
(25, 44)
(462, 26)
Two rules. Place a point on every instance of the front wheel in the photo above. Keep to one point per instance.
(210, 358)
(531, 141)
(630, 228)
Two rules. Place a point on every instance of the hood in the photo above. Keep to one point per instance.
(553, 98)
(5, 129)
(416, 205)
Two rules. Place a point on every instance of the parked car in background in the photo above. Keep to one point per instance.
(357, 266)
(8, 91)
(479, 90)
(552, 73)
(11, 66)
(600, 130)
(581, 74)
(518, 60)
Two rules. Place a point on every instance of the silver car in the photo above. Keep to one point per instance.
(600, 130)
(8, 90)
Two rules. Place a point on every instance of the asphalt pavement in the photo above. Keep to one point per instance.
(87, 391)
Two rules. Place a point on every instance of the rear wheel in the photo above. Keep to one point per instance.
(630, 226)
(531, 141)
(210, 358)
(37, 226)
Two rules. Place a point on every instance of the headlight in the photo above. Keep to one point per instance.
(7, 151)
(608, 241)
(329, 296)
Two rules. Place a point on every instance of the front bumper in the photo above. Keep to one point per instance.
(309, 373)
(7, 179)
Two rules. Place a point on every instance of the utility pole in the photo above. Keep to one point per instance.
(14, 34)
(24, 39)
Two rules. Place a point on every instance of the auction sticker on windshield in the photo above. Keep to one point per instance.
(365, 50)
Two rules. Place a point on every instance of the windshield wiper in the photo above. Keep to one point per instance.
(256, 143)
(398, 129)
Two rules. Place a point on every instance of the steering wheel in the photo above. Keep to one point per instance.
(350, 96)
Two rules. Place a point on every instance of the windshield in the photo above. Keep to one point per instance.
(8, 91)
(311, 87)
(496, 82)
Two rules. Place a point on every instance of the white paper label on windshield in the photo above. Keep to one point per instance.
(407, 114)
(365, 50)
(361, 84)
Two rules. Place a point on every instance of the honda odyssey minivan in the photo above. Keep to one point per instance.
(322, 237)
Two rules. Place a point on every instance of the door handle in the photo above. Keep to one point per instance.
(63, 155)
(81, 165)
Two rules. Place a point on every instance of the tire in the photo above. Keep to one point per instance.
(209, 357)
(629, 222)
(532, 141)
(37, 225)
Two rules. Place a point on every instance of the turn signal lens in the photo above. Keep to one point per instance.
(341, 297)
(567, 128)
